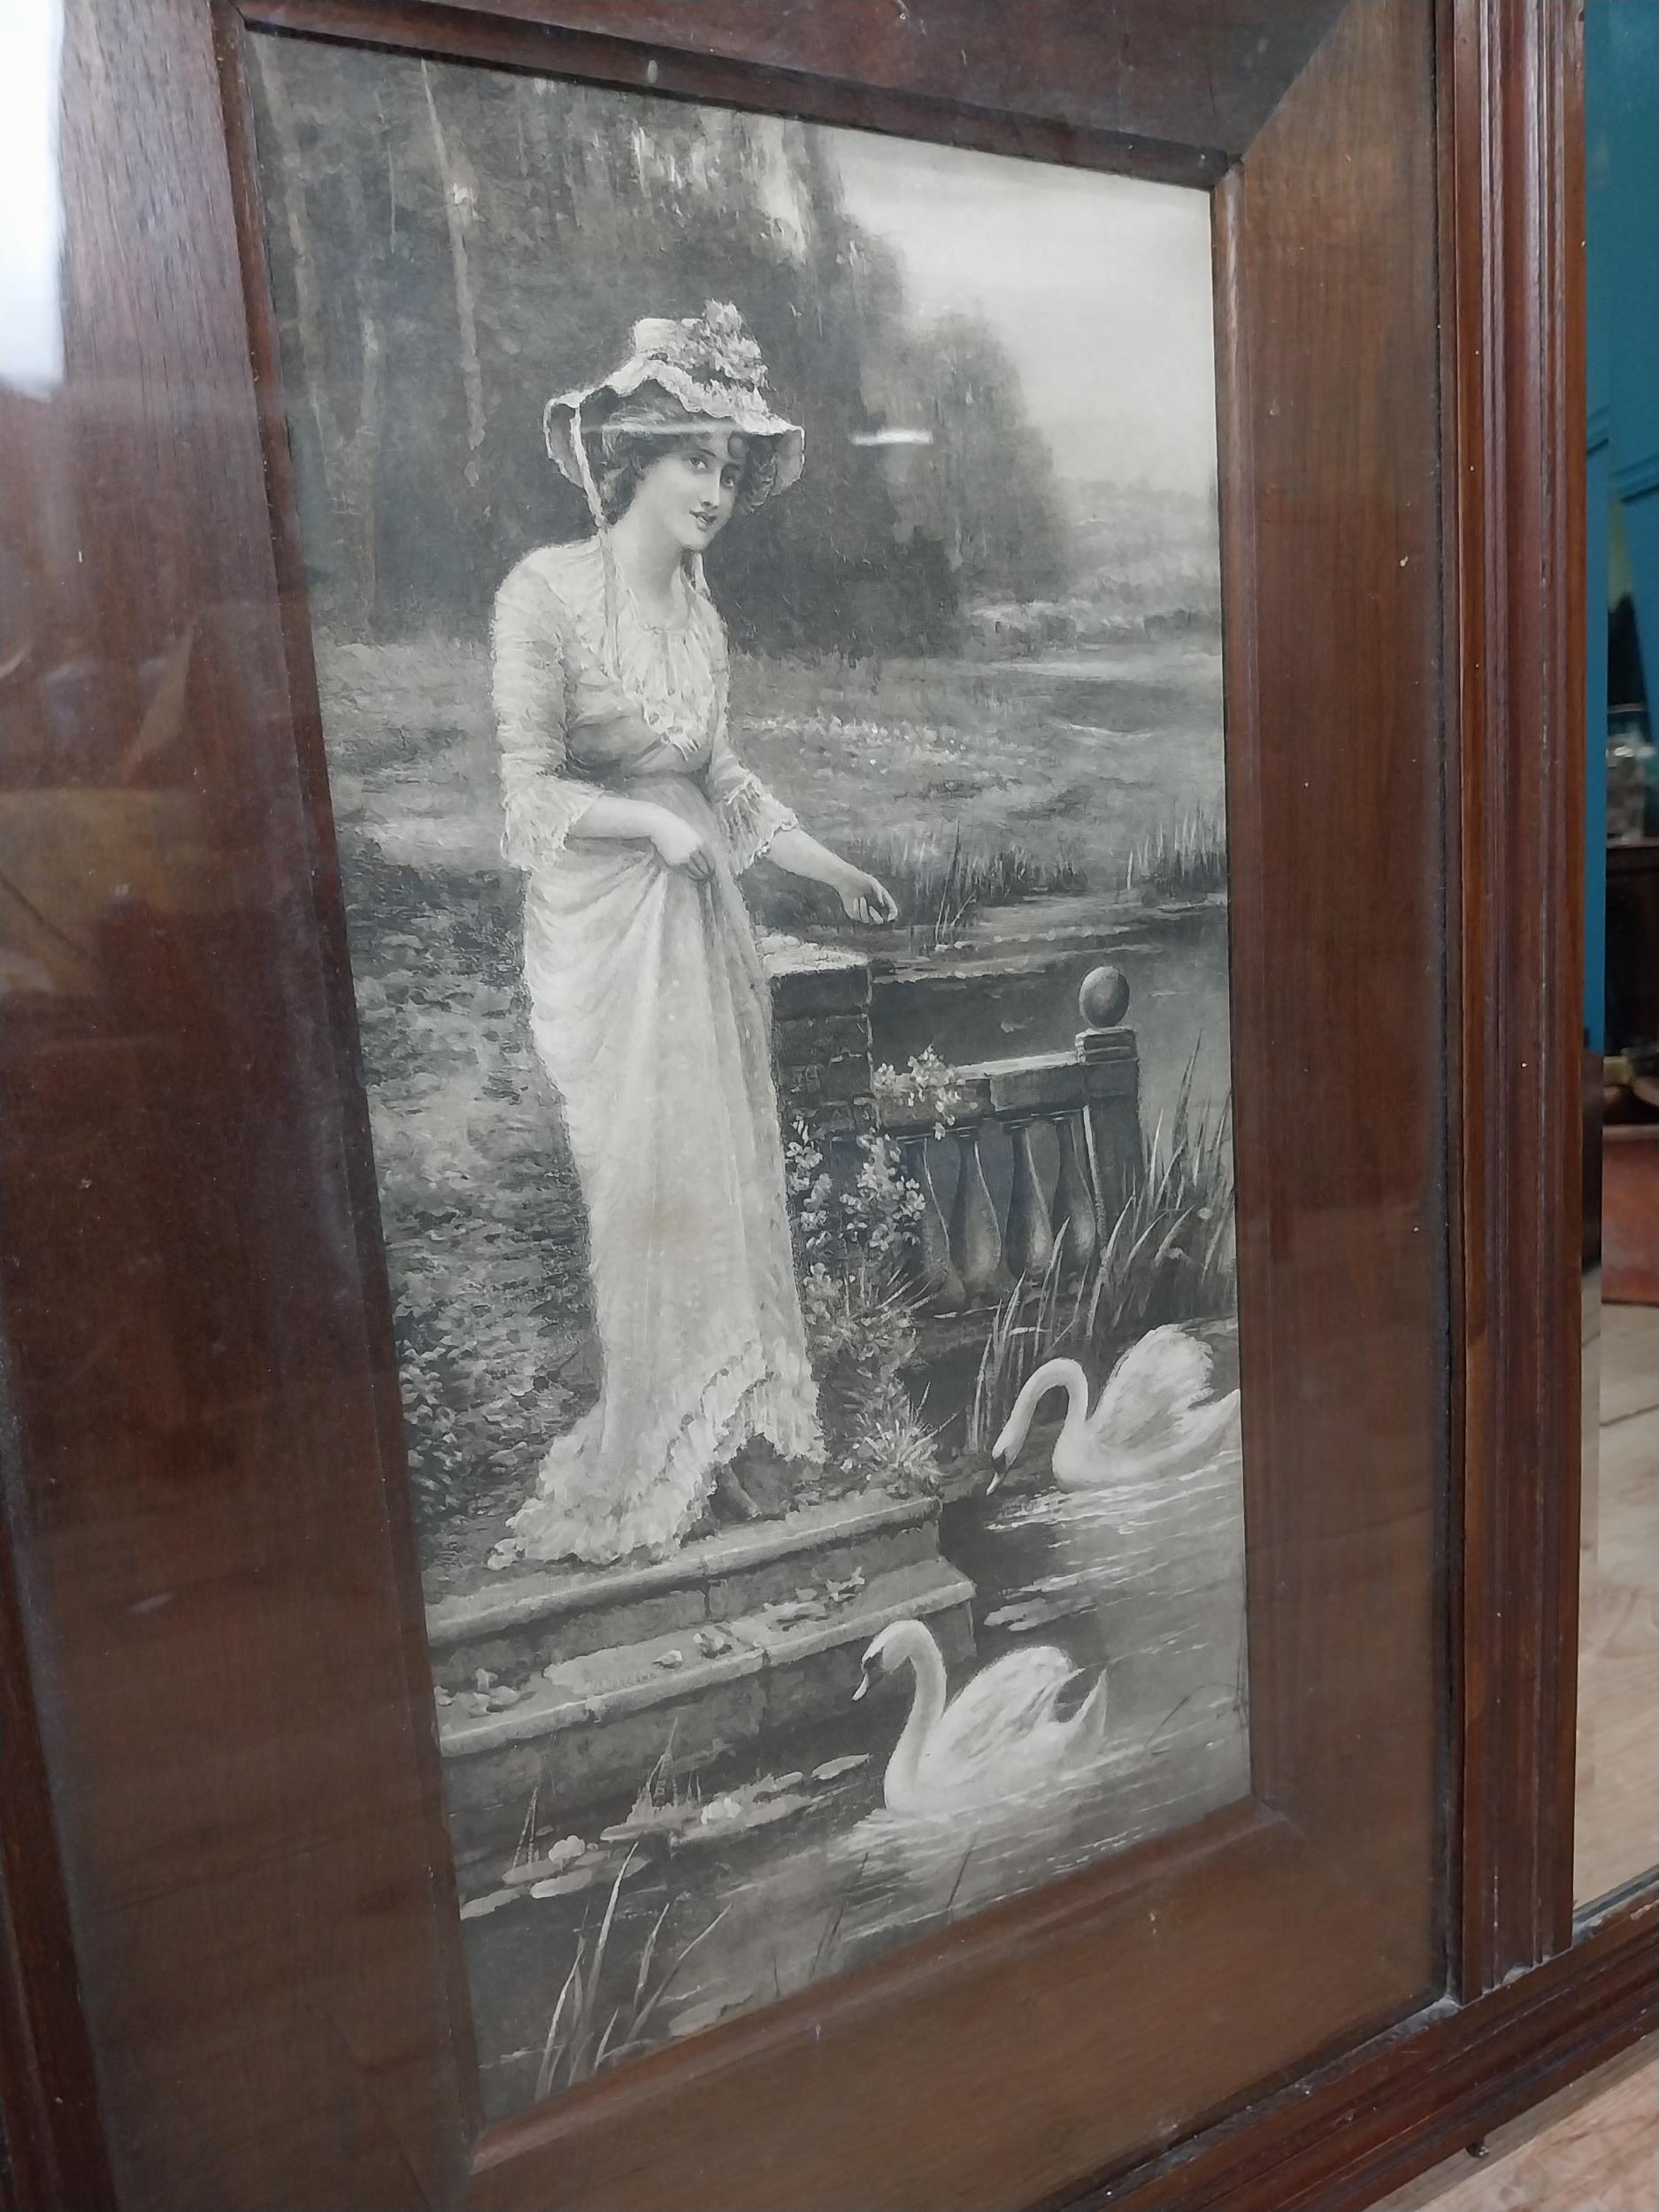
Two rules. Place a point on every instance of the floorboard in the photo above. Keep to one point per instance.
(1617, 1800)
(1592, 2147)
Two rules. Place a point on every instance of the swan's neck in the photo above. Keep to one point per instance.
(927, 1706)
(1076, 1384)
(1054, 1374)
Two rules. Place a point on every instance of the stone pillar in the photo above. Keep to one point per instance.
(1112, 1082)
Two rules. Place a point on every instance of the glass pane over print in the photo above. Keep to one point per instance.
(1616, 1812)
(764, 583)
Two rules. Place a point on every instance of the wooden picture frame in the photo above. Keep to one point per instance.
(232, 1970)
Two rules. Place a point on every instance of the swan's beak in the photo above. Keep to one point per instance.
(865, 1679)
(999, 1468)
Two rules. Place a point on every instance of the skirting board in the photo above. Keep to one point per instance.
(1345, 2136)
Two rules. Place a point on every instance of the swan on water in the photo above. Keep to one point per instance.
(1154, 1417)
(998, 1736)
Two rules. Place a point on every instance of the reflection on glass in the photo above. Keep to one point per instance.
(816, 1308)
(1617, 1834)
(1617, 1829)
(1617, 1826)
(30, 327)
(1618, 1727)
(1618, 1808)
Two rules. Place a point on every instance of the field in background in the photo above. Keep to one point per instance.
(1071, 758)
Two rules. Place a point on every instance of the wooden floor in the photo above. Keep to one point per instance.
(1618, 1801)
(1593, 2147)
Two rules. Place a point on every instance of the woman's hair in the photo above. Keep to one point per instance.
(643, 428)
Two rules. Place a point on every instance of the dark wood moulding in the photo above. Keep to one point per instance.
(229, 1961)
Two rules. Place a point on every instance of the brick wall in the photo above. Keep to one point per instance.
(821, 1047)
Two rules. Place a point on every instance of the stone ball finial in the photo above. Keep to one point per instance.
(1102, 997)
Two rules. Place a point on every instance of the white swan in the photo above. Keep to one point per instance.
(1149, 1423)
(997, 1737)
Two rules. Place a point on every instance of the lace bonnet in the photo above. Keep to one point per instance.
(711, 363)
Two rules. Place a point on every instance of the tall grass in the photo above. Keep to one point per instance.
(1184, 863)
(1169, 1255)
(577, 2046)
(1028, 1327)
(938, 891)
(938, 887)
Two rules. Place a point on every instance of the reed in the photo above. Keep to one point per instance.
(1186, 862)
(937, 885)
(576, 2046)
(1169, 1255)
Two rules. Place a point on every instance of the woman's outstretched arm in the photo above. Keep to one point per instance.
(864, 898)
(755, 825)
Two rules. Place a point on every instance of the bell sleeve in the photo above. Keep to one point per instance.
(749, 816)
(530, 673)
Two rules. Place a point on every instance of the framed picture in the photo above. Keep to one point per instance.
(730, 1335)
(761, 1309)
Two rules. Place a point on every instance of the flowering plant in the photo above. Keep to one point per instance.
(862, 1218)
(716, 347)
(855, 1221)
(926, 1084)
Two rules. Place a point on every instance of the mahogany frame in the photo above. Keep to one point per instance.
(204, 1508)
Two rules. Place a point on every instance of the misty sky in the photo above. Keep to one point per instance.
(1098, 285)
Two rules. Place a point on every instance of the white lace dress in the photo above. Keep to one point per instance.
(651, 1013)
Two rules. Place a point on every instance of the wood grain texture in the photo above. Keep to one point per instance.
(51, 2144)
(1512, 199)
(1343, 2135)
(220, 1520)
(1173, 89)
(243, 1766)
(212, 1539)
(1331, 543)
(1329, 305)
(1593, 2147)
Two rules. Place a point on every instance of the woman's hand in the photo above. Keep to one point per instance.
(863, 899)
(684, 850)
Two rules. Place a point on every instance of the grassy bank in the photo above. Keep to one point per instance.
(1040, 766)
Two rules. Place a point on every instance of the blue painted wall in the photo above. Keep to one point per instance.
(1621, 359)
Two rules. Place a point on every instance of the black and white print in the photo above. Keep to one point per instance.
(766, 596)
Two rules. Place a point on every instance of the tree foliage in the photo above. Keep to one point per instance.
(450, 246)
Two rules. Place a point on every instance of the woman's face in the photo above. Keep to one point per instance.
(691, 492)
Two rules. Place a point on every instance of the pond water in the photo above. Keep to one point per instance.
(1013, 990)
(1148, 1583)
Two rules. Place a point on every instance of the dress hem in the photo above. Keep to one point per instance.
(744, 1402)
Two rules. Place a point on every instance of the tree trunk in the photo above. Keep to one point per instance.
(460, 197)
(350, 459)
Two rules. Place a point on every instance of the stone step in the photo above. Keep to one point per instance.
(525, 1619)
(593, 1727)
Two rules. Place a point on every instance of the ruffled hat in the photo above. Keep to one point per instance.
(711, 363)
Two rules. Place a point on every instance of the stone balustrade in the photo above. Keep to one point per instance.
(970, 1252)
(992, 1214)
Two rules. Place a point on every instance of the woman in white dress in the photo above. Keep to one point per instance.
(633, 819)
